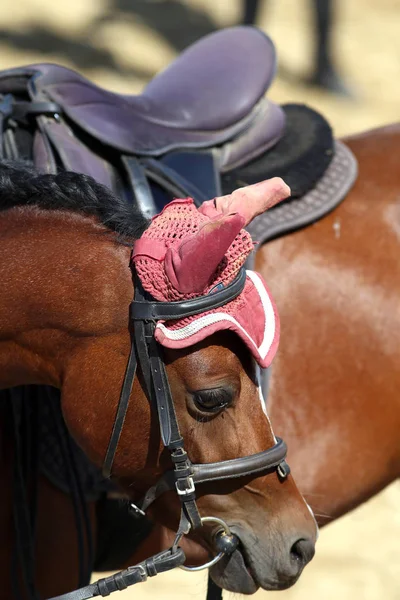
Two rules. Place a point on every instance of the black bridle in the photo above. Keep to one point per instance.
(183, 478)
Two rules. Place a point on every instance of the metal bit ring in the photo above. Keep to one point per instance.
(216, 558)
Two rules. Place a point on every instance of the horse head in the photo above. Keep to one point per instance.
(214, 326)
(188, 436)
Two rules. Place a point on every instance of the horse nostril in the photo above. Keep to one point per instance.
(302, 551)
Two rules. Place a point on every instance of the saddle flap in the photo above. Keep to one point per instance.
(74, 155)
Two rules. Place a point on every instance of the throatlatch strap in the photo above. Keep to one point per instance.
(121, 412)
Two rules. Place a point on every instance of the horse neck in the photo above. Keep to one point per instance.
(64, 279)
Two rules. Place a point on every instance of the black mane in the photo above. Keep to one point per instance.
(22, 185)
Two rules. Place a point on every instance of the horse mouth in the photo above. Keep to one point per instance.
(233, 572)
(240, 572)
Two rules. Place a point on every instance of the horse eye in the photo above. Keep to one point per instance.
(213, 400)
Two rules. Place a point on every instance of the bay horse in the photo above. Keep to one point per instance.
(334, 383)
(261, 125)
(66, 293)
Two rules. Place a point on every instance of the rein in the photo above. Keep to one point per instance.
(185, 475)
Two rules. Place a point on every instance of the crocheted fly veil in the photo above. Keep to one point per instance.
(188, 252)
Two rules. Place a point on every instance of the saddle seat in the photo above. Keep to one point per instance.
(210, 94)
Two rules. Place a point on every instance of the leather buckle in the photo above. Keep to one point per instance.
(136, 510)
(187, 490)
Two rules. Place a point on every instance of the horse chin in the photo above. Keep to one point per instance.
(231, 573)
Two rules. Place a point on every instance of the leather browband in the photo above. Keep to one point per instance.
(154, 311)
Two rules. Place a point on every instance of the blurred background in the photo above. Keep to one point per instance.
(121, 44)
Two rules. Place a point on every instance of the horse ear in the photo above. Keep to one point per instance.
(249, 201)
(191, 265)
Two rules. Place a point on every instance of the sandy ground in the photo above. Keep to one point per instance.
(122, 44)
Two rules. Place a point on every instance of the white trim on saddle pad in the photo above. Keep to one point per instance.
(256, 323)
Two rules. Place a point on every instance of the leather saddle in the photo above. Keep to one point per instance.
(203, 115)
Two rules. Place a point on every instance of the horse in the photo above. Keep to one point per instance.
(54, 97)
(333, 384)
(66, 295)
